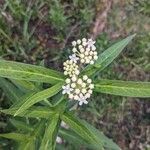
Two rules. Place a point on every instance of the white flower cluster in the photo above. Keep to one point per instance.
(85, 50)
(70, 68)
(79, 88)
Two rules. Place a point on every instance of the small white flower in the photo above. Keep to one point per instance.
(87, 95)
(88, 49)
(85, 77)
(71, 96)
(74, 43)
(64, 125)
(79, 41)
(74, 58)
(91, 86)
(82, 100)
(67, 89)
(79, 81)
(90, 43)
(59, 140)
(74, 50)
(93, 48)
(74, 78)
(81, 55)
(65, 73)
(84, 91)
(82, 50)
(95, 57)
(84, 43)
(90, 91)
(77, 91)
(80, 46)
(86, 53)
(83, 85)
(89, 80)
(68, 80)
(91, 62)
(84, 40)
(77, 72)
(76, 97)
(82, 60)
(73, 85)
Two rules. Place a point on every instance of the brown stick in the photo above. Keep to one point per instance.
(101, 19)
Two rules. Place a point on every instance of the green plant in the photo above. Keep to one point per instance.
(38, 111)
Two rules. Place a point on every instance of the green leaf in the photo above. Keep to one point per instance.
(72, 138)
(30, 145)
(78, 127)
(49, 139)
(21, 125)
(88, 133)
(107, 57)
(15, 136)
(10, 90)
(37, 97)
(20, 71)
(123, 88)
(32, 112)
(24, 85)
(107, 143)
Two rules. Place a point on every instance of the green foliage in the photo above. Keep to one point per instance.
(21, 71)
(57, 15)
(33, 98)
(38, 118)
(49, 139)
(123, 88)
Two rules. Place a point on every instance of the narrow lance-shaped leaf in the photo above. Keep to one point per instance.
(10, 90)
(123, 88)
(35, 135)
(37, 97)
(77, 126)
(23, 85)
(32, 112)
(107, 57)
(15, 136)
(21, 125)
(49, 139)
(91, 135)
(20, 71)
(73, 138)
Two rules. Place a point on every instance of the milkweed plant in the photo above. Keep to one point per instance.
(42, 99)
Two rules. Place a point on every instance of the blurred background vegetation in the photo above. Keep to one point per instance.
(32, 31)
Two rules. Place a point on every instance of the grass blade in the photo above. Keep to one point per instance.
(123, 88)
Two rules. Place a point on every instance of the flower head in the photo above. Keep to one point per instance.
(71, 68)
(85, 50)
(81, 89)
